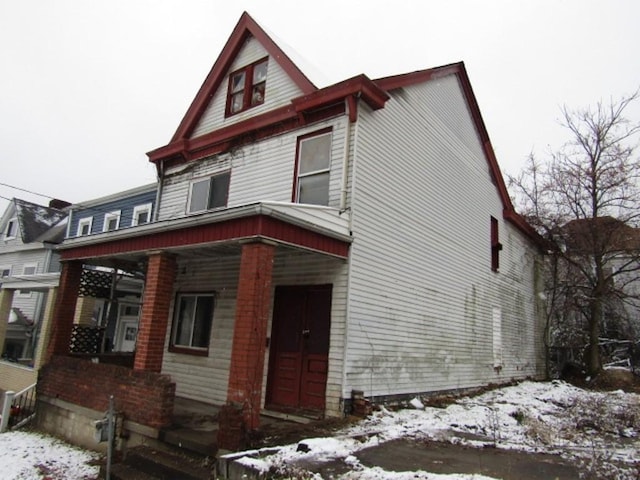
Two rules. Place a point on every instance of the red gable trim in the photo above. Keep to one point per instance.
(231, 230)
(245, 27)
(399, 81)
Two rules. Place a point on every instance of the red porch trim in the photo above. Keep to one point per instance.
(236, 229)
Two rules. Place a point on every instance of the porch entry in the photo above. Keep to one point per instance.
(299, 353)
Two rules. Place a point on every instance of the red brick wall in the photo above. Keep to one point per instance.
(161, 274)
(250, 330)
(143, 397)
(65, 308)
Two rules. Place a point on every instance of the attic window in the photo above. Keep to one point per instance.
(247, 87)
(12, 229)
(84, 226)
(111, 221)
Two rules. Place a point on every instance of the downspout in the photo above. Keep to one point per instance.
(160, 176)
(345, 157)
(69, 219)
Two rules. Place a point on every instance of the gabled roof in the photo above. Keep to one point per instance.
(245, 27)
(35, 220)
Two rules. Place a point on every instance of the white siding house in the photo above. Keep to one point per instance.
(312, 242)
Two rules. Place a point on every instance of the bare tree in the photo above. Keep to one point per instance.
(585, 200)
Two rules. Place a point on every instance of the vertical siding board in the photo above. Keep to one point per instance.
(422, 288)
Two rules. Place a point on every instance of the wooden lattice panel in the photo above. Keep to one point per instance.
(95, 283)
(86, 339)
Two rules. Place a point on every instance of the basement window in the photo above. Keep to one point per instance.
(192, 323)
(247, 87)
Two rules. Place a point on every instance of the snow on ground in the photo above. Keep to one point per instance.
(594, 430)
(28, 455)
(591, 429)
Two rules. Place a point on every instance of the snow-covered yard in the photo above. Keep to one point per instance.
(593, 430)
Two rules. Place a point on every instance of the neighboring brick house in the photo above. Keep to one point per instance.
(314, 241)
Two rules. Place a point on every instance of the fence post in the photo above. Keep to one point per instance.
(6, 410)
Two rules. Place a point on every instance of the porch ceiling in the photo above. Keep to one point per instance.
(222, 233)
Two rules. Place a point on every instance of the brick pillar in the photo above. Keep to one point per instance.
(250, 331)
(65, 308)
(152, 330)
(6, 300)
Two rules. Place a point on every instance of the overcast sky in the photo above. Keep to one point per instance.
(88, 87)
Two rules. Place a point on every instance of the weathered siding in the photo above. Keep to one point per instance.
(206, 378)
(97, 210)
(422, 293)
(262, 171)
(279, 91)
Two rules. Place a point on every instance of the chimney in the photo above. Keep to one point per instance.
(58, 204)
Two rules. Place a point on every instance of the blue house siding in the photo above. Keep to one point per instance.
(96, 210)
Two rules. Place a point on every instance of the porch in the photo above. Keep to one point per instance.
(205, 327)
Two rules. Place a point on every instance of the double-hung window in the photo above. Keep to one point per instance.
(247, 87)
(12, 229)
(84, 226)
(209, 193)
(192, 322)
(111, 221)
(141, 214)
(313, 166)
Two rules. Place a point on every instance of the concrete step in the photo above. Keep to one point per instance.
(202, 442)
(146, 463)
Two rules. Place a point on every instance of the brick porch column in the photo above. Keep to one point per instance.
(152, 329)
(250, 331)
(65, 308)
(6, 300)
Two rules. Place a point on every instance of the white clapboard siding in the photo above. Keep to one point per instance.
(422, 291)
(280, 89)
(206, 378)
(261, 171)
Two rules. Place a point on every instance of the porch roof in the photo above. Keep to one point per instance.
(39, 281)
(322, 229)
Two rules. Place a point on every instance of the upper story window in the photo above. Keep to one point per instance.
(30, 269)
(247, 87)
(12, 229)
(496, 246)
(84, 226)
(141, 214)
(111, 221)
(313, 165)
(5, 271)
(209, 193)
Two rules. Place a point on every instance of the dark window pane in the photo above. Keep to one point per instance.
(184, 324)
(202, 326)
(219, 190)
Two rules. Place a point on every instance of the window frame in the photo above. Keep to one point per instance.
(210, 179)
(297, 176)
(496, 246)
(139, 209)
(13, 222)
(3, 268)
(247, 88)
(88, 221)
(116, 214)
(191, 349)
(30, 265)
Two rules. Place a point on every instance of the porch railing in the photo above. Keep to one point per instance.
(18, 409)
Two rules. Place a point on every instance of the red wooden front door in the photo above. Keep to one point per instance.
(299, 347)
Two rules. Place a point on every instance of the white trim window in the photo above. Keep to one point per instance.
(30, 269)
(314, 163)
(5, 271)
(193, 319)
(12, 229)
(84, 226)
(111, 221)
(141, 214)
(209, 193)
